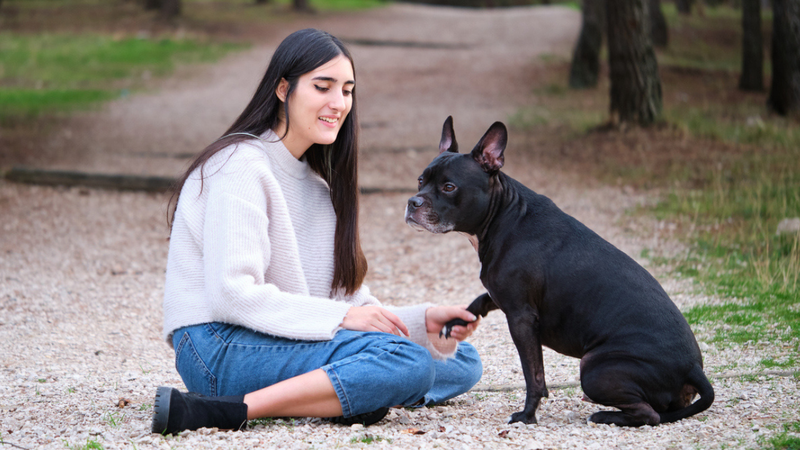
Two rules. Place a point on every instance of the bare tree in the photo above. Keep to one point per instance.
(658, 24)
(170, 8)
(684, 6)
(784, 92)
(301, 5)
(586, 56)
(752, 77)
(635, 82)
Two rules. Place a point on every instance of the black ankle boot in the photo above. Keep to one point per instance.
(174, 412)
(365, 419)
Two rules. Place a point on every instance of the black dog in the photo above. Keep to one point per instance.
(563, 286)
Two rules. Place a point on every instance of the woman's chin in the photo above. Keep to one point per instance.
(327, 138)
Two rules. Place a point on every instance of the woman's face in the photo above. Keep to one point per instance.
(318, 105)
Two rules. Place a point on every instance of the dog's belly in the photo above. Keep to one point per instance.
(564, 347)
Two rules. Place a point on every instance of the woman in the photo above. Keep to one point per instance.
(264, 302)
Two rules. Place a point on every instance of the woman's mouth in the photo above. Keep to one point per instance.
(329, 121)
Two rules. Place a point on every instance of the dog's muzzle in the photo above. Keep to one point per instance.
(420, 216)
(414, 203)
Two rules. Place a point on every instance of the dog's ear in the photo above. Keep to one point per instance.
(489, 151)
(448, 142)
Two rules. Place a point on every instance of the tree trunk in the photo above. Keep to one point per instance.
(784, 93)
(261, 2)
(301, 5)
(635, 82)
(586, 57)
(752, 77)
(684, 6)
(152, 4)
(658, 24)
(170, 9)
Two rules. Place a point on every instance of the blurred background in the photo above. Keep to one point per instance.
(692, 105)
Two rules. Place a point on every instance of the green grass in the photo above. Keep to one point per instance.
(91, 444)
(733, 202)
(789, 439)
(770, 363)
(740, 124)
(114, 419)
(711, 41)
(736, 252)
(369, 439)
(63, 72)
(67, 55)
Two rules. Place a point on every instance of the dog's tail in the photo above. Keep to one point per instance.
(698, 380)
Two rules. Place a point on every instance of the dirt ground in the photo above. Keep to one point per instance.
(81, 274)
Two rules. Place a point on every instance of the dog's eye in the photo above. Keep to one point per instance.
(419, 180)
(449, 187)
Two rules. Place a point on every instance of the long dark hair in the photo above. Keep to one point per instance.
(337, 163)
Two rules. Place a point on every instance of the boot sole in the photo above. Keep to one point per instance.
(365, 419)
(161, 410)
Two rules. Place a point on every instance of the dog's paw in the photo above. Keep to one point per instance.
(448, 327)
(521, 416)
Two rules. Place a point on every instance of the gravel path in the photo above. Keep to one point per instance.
(82, 271)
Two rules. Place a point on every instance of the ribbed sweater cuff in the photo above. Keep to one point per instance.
(414, 318)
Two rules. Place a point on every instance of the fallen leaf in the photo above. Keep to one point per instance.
(503, 434)
(413, 431)
(123, 402)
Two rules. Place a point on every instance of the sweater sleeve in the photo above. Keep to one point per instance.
(236, 255)
(414, 318)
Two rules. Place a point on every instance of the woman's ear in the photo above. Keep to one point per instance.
(282, 89)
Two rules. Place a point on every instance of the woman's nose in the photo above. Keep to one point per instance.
(337, 103)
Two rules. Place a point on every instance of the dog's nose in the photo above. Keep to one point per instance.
(415, 202)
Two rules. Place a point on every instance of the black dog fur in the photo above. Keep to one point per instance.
(563, 286)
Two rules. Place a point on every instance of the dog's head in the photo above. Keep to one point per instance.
(454, 190)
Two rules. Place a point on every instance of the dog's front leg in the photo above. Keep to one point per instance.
(524, 327)
(480, 307)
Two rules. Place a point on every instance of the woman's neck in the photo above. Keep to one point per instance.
(297, 149)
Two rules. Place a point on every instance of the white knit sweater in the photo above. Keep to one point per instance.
(252, 245)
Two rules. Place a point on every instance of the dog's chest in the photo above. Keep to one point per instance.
(472, 239)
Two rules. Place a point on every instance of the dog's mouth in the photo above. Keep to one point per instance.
(415, 225)
(427, 222)
(413, 222)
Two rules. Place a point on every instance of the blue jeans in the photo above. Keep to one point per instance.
(368, 370)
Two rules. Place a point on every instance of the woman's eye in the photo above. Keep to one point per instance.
(449, 187)
(321, 88)
(347, 93)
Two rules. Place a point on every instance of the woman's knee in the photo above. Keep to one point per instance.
(413, 370)
(470, 361)
(418, 364)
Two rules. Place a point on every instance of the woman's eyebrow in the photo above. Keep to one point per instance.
(332, 80)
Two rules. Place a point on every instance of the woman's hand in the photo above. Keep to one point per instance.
(437, 316)
(374, 318)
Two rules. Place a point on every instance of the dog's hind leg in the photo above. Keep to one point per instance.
(634, 415)
(611, 382)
